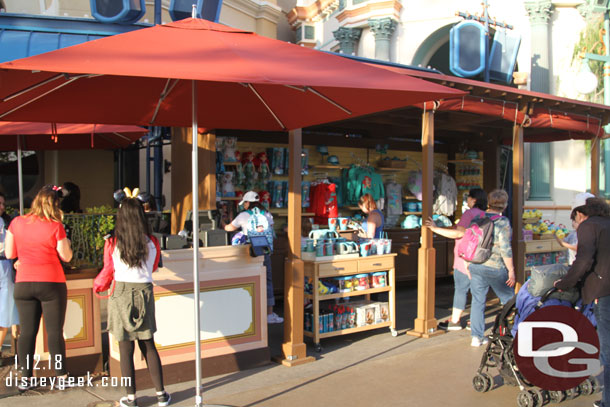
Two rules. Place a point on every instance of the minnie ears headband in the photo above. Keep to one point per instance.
(121, 194)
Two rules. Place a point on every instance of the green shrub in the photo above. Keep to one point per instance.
(87, 233)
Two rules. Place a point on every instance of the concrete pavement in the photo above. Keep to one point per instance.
(364, 369)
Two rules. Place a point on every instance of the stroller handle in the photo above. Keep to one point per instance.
(546, 296)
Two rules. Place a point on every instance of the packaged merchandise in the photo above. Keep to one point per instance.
(379, 279)
(362, 282)
(382, 312)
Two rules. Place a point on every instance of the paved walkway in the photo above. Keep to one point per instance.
(363, 369)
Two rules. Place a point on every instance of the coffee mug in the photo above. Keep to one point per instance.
(343, 223)
(332, 224)
(365, 248)
(320, 249)
(380, 246)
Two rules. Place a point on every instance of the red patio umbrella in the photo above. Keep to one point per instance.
(63, 136)
(194, 72)
(67, 136)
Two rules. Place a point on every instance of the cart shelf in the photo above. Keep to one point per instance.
(349, 330)
(350, 294)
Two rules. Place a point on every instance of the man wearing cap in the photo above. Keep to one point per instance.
(591, 269)
(250, 201)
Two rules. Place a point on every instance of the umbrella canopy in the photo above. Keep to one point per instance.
(244, 81)
(194, 72)
(67, 136)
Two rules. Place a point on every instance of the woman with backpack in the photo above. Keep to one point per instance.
(477, 204)
(253, 207)
(496, 272)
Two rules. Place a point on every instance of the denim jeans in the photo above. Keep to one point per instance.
(602, 315)
(462, 286)
(270, 296)
(483, 277)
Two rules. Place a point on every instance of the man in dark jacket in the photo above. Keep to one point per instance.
(591, 270)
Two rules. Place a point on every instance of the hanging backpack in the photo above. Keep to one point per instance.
(258, 226)
(478, 240)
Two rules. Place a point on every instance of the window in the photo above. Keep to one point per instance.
(540, 172)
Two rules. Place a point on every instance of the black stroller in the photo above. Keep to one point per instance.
(499, 354)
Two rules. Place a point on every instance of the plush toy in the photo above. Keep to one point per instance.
(229, 147)
(305, 185)
(228, 190)
(265, 198)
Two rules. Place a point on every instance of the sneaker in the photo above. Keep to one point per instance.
(476, 342)
(125, 402)
(164, 399)
(450, 325)
(22, 387)
(274, 318)
(468, 325)
(597, 403)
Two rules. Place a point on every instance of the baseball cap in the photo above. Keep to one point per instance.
(249, 196)
(581, 199)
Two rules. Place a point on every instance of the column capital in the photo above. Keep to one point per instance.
(347, 34)
(348, 39)
(539, 11)
(383, 28)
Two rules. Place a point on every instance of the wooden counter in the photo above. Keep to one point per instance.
(82, 328)
(233, 315)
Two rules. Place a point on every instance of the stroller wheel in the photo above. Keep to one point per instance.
(557, 396)
(571, 393)
(540, 396)
(482, 382)
(525, 399)
(589, 386)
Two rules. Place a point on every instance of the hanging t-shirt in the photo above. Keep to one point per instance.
(445, 194)
(323, 202)
(393, 193)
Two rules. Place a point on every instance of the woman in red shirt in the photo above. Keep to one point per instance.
(39, 240)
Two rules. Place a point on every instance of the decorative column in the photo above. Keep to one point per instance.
(348, 39)
(383, 28)
(540, 13)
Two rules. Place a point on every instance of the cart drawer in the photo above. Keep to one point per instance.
(375, 263)
(556, 246)
(338, 268)
(538, 246)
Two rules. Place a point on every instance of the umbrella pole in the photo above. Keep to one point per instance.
(20, 175)
(195, 177)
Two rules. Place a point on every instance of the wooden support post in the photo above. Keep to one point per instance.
(294, 351)
(182, 200)
(518, 201)
(425, 323)
(595, 158)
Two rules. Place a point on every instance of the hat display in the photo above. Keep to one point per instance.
(581, 199)
(249, 196)
(333, 159)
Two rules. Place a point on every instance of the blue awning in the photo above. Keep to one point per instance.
(26, 35)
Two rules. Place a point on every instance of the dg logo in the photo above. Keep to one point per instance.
(557, 348)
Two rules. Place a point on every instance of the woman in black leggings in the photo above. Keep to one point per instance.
(134, 255)
(39, 240)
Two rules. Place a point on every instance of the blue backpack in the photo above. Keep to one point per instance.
(258, 225)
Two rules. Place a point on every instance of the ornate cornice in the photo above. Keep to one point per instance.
(316, 11)
(256, 9)
(383, 28)
(539, 11)
(358, 16)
